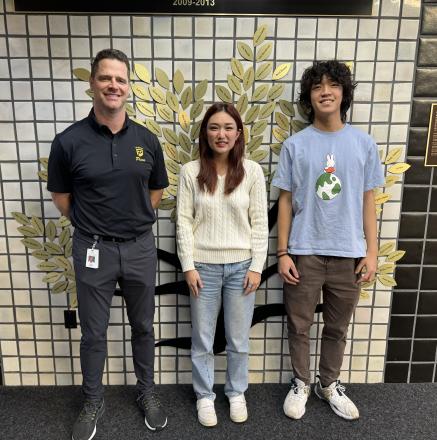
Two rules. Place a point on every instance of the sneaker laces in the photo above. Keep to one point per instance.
(149, 400)
(89, 411)
(340, 388)
(295, 387)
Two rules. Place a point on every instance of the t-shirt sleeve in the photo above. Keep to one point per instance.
(373, 174)
(59, 170)
(158, 178)
(283, 177)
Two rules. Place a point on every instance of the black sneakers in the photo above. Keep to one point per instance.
(154, 415)
(85, 426)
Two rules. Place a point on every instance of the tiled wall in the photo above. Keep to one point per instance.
(40, 97)
(412, 347)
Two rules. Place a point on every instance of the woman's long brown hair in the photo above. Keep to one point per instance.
(207, 177)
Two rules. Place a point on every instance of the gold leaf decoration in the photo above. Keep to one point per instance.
(68, 249)
(64, 236)
(245, 134)
(185, 142)
(47, 266)
(153, 126)
(195, 153)
(276, 148)
(196, 109)
(165, 112)
(263, 70)
(393, 155)
(245, 51)
(185, 158)
(71, 287)
(386, 268)
(43, 175)
(170, 135)
(267, 109)
(52, 277)
(82, 74)
(251, 114)
(167, 204)
(187, 97)
(171, 151)
(297, 125)
(172, 190)
(275, 91)
(382, 198)
(237, 68)
(157, 95)
(142, 73)
(258, 128)
(366, 285)
(258, 155)
(264, 51)
(44, 161)
(129, 109)
(390, 181)
(137, 121)
(234, 84)
(395, 256)
(280, 134)
(51, 230)
(223, 93)
(364, 295)
(386, 248)
(172, 101)
(195, 130)
(172, 166)
(162, 78)
(53, 248)
(63, 263)
(200, 90)
(282, 121)
(184, 121)
(146, 109)
(178, 81)
(248, 78)
(281, 71)
(41, 255)
(31, 243)
(172, 178)
(59, 287)
(399, 168)
(254, 143)
(28, 231)
(302, 111)
(260, 35)
(140, 92)
(260, 92)
(242, 104)
(386, 280)
(73, 300)
(20, 218)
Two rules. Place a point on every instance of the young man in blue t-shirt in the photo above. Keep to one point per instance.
(326, 174)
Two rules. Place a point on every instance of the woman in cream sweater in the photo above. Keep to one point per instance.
(222, 234)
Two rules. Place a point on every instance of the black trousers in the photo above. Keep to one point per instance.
(133, 265)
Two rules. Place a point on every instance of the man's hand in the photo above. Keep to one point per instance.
(194, 282)
(287, 270)
(367, 266)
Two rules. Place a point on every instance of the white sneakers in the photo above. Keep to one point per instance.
(237, 408)
(335, 395)
(294, 403)
(206, 412)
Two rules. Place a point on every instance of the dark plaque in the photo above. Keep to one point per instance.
(196, 7)
(431, 145)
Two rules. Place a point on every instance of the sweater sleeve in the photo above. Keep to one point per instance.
(258, 220)
(185, 220)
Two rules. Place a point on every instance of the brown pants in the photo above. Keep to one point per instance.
(335, 277)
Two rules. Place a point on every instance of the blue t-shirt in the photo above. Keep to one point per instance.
(327, 174)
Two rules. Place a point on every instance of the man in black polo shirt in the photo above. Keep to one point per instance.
(107, 174)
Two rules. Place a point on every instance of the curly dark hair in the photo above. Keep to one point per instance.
(112, 54)
(335, 70)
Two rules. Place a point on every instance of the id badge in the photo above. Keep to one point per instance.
(92, 258)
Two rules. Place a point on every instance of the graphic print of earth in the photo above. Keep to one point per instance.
(328, 186)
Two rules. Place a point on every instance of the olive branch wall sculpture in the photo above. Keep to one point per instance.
(172, 109)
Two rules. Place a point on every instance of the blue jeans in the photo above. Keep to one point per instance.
(218, 280)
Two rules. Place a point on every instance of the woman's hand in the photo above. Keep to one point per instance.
(251, 282)
(194, 282)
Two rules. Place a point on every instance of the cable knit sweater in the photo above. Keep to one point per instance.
(218, 228)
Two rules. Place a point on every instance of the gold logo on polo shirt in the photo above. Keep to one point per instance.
(139, 153)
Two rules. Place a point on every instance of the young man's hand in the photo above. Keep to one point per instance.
(367, 266)
(287, 270)
(194, 282)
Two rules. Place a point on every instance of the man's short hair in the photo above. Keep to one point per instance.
(334, 70)
(112, 54)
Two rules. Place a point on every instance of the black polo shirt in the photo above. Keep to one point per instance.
(109, 176)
